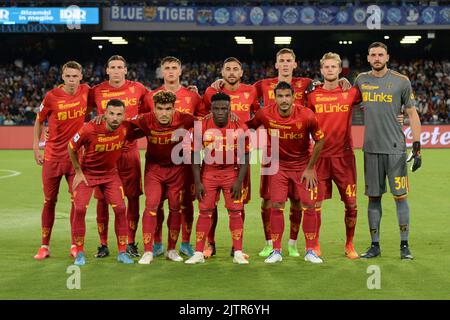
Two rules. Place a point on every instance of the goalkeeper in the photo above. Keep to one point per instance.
(384, 92)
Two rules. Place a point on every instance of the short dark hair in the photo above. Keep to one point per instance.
(378, 45)
(170, 59)
(115, 103)
(164, 97)
(232, 59)
(116, 57)
(282, 85)
(220, 96)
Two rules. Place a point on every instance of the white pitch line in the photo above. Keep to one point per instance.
(12, 173)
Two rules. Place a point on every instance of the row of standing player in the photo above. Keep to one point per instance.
(171, 70)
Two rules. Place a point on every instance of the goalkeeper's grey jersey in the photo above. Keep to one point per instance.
(383, 99)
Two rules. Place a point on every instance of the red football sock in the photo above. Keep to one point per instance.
(310, 227)
(236, 228)
(212, 230)
(187, 219)
(319, 222)
(72, 214)
(295, 217)
(159, 223)
(148, 229)
(265, 215)
(350, 222)
(276, 226)
(79, 227)
(47, 220)
(132, 215)
(202, 229)
(173, 222)
(120, 226)
(102, 221)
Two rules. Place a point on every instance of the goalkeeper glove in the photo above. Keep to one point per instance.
(415, 154)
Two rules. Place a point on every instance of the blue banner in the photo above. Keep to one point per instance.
(68, 15)
(348, 15)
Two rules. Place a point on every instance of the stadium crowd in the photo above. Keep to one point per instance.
(22, 87)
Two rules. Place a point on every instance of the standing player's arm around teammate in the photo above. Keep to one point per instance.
(310, 173)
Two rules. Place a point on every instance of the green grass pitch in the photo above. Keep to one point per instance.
(426, 277)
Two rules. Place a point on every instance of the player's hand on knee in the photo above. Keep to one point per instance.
(415, 155)
(218, 84)
(79, 178)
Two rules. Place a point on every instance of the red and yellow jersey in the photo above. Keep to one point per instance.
(293, 133)
(102, 148)
(65, 114)
(187, 101)
(265, 89)
(243, 101)
(159, 138)
(220, 144)
(333, 110)
(132, 94)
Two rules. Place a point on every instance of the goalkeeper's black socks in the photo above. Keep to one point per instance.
(403, 243)
(376, 244)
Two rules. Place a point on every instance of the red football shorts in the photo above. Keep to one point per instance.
(52, 172)
(283, 181)
(159, 181)
(214, 180)
(341, 170)
(129, 168)
(264, 189)
(110, 186)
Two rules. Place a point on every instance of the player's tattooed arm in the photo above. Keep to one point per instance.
(199, 188)
(236, 188)
(37, 132)
(310, 173)
(79, 175)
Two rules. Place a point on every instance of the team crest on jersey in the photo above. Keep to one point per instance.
(298, 125)
(132, 89)
(188, 100)
(246, 95)
(76, 138)
(345, 95)
(389, 85)
(299, 84)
